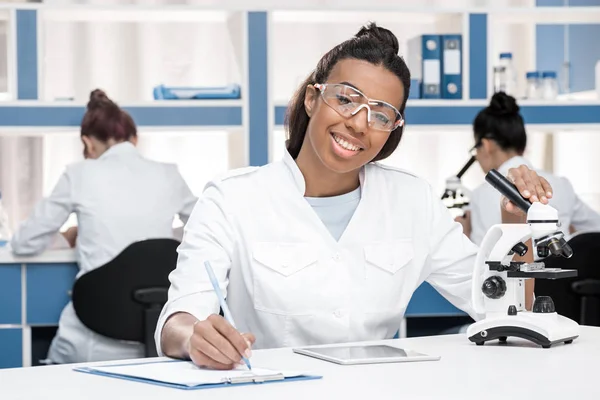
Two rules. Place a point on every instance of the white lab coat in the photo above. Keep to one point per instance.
(119, 199)
(486, 211)
(290, 283)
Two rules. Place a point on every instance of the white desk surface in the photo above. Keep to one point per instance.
(519, 370)
(49, 256)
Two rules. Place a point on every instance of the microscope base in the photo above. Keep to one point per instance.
(545, 330)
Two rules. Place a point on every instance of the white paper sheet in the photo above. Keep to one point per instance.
(186, 373)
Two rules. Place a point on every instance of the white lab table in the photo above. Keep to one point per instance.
(518, 370)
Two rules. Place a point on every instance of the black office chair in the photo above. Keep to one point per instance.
(123, 298)
(576, 298)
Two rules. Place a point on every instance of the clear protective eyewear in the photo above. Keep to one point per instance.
(348, 101)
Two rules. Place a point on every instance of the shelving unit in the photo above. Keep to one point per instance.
(259, 112)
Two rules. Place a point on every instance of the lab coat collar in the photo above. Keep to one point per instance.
(298, 178)
(119, 148)
(514, 163)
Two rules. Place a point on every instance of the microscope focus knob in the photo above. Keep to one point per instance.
(543, 305)
(494, 287)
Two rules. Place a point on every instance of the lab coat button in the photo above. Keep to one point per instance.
(336, 257)
(338, 313)
(284, 265)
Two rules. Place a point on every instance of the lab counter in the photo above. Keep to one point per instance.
(34, 290)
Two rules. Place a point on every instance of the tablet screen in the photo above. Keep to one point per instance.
(362, 352)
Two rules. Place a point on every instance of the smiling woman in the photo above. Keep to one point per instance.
(326, 245)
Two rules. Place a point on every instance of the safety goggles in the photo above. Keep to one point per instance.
(348, 101)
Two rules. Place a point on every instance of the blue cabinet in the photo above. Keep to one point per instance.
(10, 294)
(48, 288)
(11, 346)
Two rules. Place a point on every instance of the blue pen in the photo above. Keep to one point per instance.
(226, 312)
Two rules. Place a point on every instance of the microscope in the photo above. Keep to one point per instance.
(456, 195)
(499, 283)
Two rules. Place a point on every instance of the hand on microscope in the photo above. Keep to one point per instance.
(531, 186)
(465, 221)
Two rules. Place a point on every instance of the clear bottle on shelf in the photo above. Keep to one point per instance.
(510, 75)
(549, 85)
(533, 85)
(4, 230)
(499, 79)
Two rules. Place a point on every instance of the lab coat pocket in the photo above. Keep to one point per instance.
(389, 257)
(284, 277)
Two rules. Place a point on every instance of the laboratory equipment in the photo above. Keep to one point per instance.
(499, 79)
(456, 196)
(510, 75)
(549, 85)
(499, 283)
(533, 85)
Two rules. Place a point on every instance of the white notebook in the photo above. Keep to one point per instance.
(185, 374)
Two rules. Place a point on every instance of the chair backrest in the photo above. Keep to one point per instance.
(103, 298)
(585, 260)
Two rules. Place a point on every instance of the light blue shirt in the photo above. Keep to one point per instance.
(336, 211)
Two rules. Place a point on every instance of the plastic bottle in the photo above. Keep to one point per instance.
(533, 85)
(549, 85)
(4, 230)
(499, 80)
(510, 75)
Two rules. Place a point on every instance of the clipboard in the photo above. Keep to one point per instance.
(135, 372)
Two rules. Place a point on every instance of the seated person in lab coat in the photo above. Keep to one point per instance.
(500, 141)
(326, 245)
(119, 198)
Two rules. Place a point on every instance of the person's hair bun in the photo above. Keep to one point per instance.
(382, 35)
(98, 98)
(503, 104)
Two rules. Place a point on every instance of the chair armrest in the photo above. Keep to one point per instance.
(587, 287)
(151, 296)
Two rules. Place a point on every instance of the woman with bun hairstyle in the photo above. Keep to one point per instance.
(500, 141)
(119, 198)
(326, 245)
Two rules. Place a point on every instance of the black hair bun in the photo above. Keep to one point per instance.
(98, 98)
(503, 104)
(382, 35)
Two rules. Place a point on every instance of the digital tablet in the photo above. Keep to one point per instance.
(371, 354)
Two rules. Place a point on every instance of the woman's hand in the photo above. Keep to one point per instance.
(70, 236)
(531, 186)
(216, 344)
(465, 221)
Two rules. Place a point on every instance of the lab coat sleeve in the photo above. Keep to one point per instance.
(207, 236)
(188, 200)
(451, 258)
(37, 232)
(478, 228)
(584, 218)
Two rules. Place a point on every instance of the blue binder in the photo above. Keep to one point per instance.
(451, 66)
(230, 382)
(162, 92)
(424, 61)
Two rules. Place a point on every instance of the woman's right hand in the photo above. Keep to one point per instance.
(216, 344)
